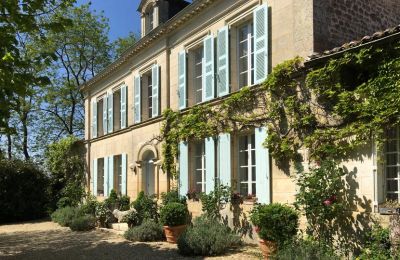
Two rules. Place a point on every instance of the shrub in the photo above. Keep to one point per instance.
(132, 219)
(123, 203)
(148, 231)
(89, 207)
(146, 207)
(64, 202)
(207, 237)
(276, 222)
(378, 244)
(83, 223)
(23, 191)
(174, 214)
(116, 201)
(172, 196)
(104, 214)
(64, 216)
(213, 203)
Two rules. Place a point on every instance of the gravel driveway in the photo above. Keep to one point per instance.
(47, 240)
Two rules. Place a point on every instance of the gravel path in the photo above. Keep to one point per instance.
(47, 240)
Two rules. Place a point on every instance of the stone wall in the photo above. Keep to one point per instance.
(340, 21)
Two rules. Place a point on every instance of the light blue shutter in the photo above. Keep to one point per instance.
(137, 98)
(182, 79)
(223, 61)
(183, 168)
(224, 159)
(105, 114)
(155, 78)
(208, 69)
(263, 188)
(124, 173)
(110, 173)
(110, 113)
(260, 44)
(94, 178)
(123, 106)
(210, 164)
(94, 119)
(105, 176)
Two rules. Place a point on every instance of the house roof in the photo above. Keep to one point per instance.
(388, 34)
(173, 23)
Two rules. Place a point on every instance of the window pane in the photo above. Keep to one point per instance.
(392, 196)
(392, 185)
(253, 173)
(253, 157)
(392, 133)
(244, 190)
(391, 172)
(391, 159)
(391, 146)
(198, 176)
(243, 143)
(198, 187)
(253, 187)
(243, 158)
(243, 174)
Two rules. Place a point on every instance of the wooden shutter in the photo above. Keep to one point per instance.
(137, 99)
(110, 113)
(94, 119)
(183, 168)
(260, 44)
(224, 159)
(110, 173)
(155, 78)
(105, 176)
(94, 178)
(105, 114)
(123, 106)
(182, 79)
(223, 61)
(124, 173)
(210, 164)
(208, 69)
(263, 187)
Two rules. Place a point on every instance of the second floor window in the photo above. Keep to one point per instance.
(117, 110)
(198, 74)
(246, 57)
(149, 95)
(100, 127)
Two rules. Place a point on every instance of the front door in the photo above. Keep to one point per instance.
(149, 171)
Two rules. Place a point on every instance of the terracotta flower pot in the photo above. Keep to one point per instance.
(172, 233)
(267, 248)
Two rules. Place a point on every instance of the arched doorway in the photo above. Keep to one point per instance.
(148, 172)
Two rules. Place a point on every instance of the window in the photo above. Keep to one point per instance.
(392, 164)
(117, 110)
(199, 169)
(100, 129)
(197, 74)
(117, 173)
(149, 95)
(245, 53)
(149, 20)
(247, 165)
(146, 96)
(100, 177)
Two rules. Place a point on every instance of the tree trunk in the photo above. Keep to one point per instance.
(9, 146)
(25, 135)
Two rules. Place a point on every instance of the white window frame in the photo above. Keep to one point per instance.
(100, 174)
(250, 147)
(195, 51)
(149, 78)
(397, 165)
(202, 169)
(250, 52)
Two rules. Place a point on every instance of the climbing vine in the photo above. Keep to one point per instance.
(331, 108)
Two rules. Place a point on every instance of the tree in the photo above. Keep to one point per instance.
(123, 43)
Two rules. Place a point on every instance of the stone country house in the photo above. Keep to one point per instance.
(201, 52)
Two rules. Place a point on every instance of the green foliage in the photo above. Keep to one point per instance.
(319, 197)
(89, 206)
(378, 245)
(148, 231)
(65, 216)
(124, 203)
(146, 207)
(104, 215)
(117, 201)
(65, 161)
(174, 214)
(64, 202)
(207, 237)
(83, 223)
(213, 203)
(172, 196)
(23, 191)
(276, 222)
(122, 44)
(133, 219)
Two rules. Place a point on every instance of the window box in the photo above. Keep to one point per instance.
(389, 210)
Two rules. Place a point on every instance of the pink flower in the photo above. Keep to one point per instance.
(256, 229)
(327, 202)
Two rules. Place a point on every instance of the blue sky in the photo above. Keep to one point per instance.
(122, 15)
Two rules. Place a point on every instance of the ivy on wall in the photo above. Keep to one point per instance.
(331, 109)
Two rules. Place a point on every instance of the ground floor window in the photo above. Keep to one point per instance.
(392, 165)
(199, 169)
(117, 173)
(247, 165)
(100, 177)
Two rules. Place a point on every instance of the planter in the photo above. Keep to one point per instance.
(389, 210)
(172, 233)
(267, 248)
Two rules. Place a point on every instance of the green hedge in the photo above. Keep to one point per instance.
(149, 230)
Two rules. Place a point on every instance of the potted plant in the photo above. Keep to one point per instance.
(276, 224)
(251, 198)
(192, 194)
(389, 208)
(173, 217)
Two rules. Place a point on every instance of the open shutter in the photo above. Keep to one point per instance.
(224, 159)
(105, 114)
(155, 78)
(183, 168)
(182, 79)
(94, 178)
(105, 176)
(210, 164)
(137, 98)
(123, 106)
(263, 187)
(124, 173)
(110, 173)
(94, 119)
(223, 61)
(110, 113)
(208, 69)
(260, 44)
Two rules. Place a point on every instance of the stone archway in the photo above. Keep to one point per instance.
(148, 169)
